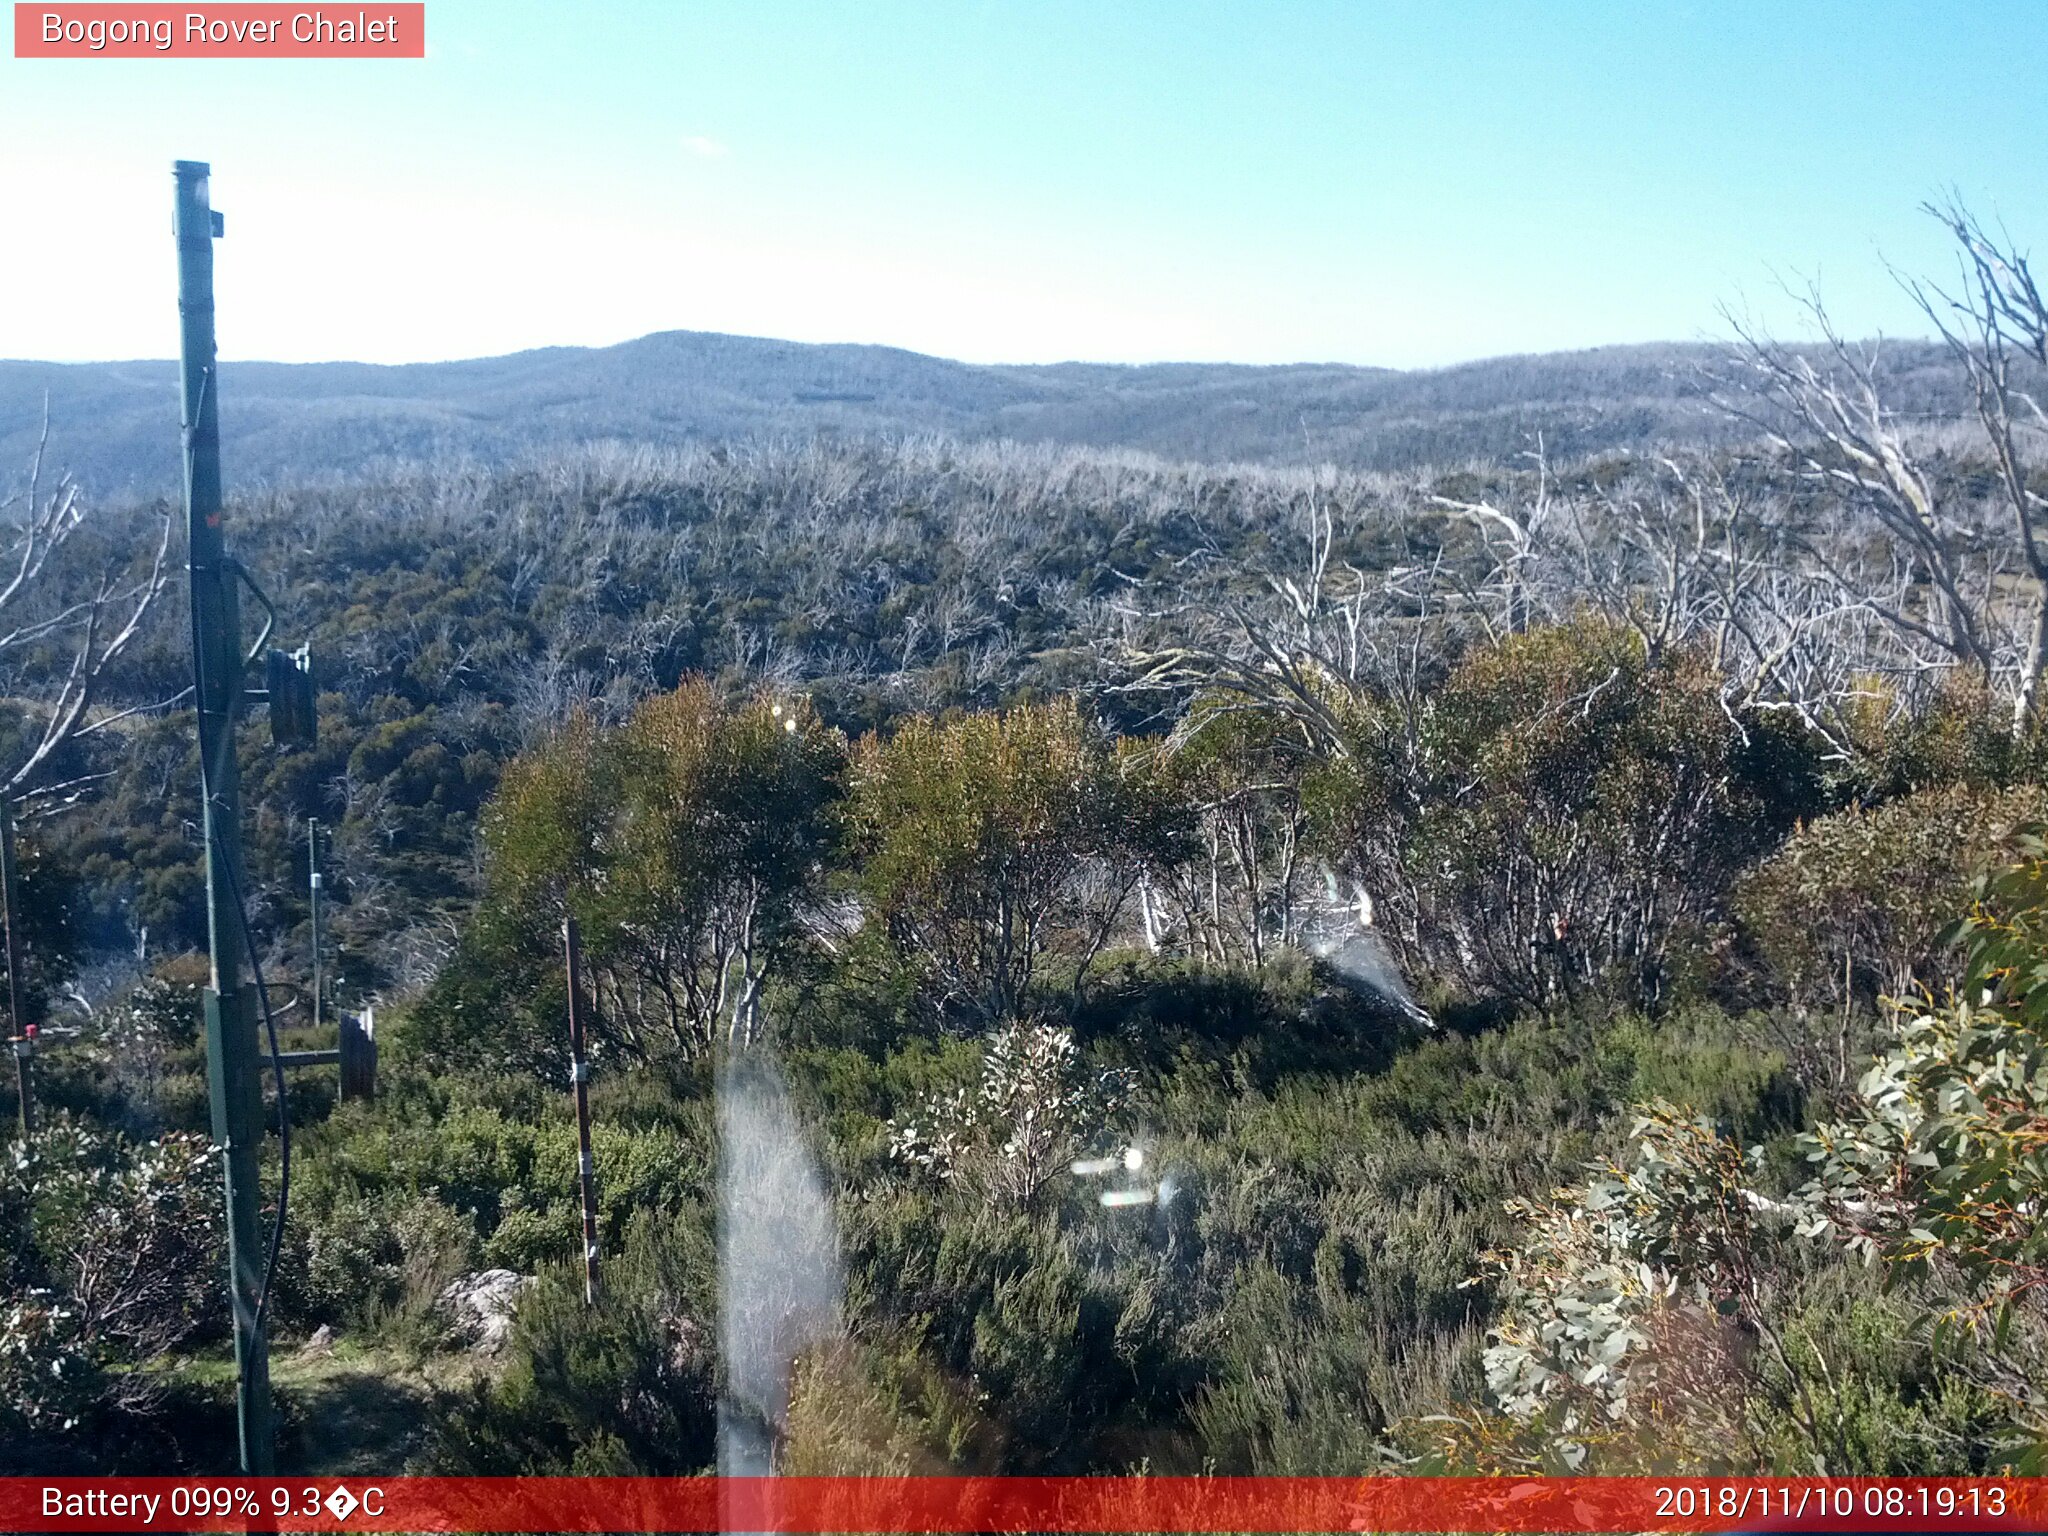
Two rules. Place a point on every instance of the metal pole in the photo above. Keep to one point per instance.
(357, 1052)
(579, 1080)
(218, 665)
(17, 991)
(313, 879)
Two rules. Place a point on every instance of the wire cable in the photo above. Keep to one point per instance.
(284, 1118)
(227, 745)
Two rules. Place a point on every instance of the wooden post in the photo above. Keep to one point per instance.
(357, 1053)
(22, 1035)
(579, 1081)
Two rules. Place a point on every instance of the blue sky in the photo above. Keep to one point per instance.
(1268, 181)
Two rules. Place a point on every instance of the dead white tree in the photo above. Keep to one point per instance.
(1685, 558)
(1823, 411)
(1313, 634)
(67, 613)
(1517, 541)
(1996, 326)
(1689, 559)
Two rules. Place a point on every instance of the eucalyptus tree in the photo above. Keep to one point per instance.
(684, 841)
(988, 842)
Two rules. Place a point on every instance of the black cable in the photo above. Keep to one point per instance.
(284, 1119)
(227, 744)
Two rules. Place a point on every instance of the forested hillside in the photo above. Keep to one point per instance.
(289, 424)
(1532, 963)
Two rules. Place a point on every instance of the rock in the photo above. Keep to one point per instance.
(481, 1306)
(689, 1343)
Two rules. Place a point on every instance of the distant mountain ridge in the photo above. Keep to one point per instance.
(114, 426)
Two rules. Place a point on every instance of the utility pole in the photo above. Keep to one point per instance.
(220, 677)
(313, 896)
(579, 1082)
(219, 666)
(24, 1037)
(355, 1050)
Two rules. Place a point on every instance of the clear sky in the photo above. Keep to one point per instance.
(1362, 181)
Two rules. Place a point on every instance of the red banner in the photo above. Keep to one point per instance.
(237, 31)
(894, 1505)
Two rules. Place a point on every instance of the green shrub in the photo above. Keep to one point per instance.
(1035, 1107)
(113, 1262)
(1292, 1015)
(625, 1387)
(359, 1261)
(1961, 737)
(1863, 895)
(1941, 1168)
(1894, 1408)
(988, 841)
(1035, 1352)
(1562, 819)
(683, 843)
